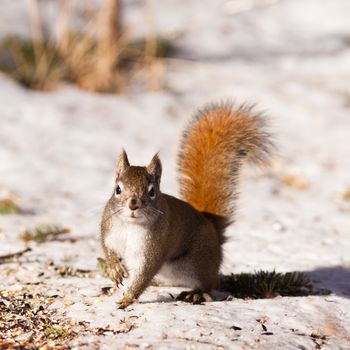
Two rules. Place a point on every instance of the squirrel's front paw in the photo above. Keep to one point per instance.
(117, 273)
(127, 300)
(115, 276)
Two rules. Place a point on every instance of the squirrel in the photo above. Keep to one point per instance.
(146, 233)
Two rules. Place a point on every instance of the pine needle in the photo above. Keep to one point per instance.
(265, 284)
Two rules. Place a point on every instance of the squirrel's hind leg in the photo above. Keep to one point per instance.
(196, 269)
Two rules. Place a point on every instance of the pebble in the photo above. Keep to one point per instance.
(277, 226)
(90, 292)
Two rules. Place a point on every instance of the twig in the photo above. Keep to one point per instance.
(201, 341)
(4, 258)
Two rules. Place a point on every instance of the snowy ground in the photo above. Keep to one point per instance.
(58, 152)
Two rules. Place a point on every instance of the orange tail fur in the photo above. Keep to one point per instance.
(218, 138)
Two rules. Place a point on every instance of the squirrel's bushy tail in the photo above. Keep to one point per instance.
(218, 138)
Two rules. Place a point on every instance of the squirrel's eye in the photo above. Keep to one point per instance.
(118, 190)
(151, 191)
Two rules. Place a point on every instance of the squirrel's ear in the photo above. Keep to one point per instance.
(154, 168)
(122, 165)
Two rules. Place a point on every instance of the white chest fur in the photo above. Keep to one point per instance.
(128, 240)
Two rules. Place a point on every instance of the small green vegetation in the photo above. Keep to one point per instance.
(67, 258)
(265, 284)
(8, 206)
(55, 333)
(136, 51)
(43, 233)
(102, 266)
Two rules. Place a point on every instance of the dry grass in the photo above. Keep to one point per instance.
(43, 233)
(8, 206)
(295, 182)
(100, 58)
(345, 195)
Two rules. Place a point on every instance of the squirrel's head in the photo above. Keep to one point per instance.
(137, 195)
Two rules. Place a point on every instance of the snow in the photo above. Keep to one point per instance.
(58, 152)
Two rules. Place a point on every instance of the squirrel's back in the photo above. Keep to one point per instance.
(217, 140)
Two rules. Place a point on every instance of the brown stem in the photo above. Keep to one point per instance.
(4, 258)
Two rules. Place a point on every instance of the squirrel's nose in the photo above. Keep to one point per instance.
(133, 204)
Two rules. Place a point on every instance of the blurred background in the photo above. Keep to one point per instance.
(80, 80)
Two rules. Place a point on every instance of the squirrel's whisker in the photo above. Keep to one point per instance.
(110, 216)
(156, 210)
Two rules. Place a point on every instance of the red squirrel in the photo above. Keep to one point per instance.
(146, 233)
